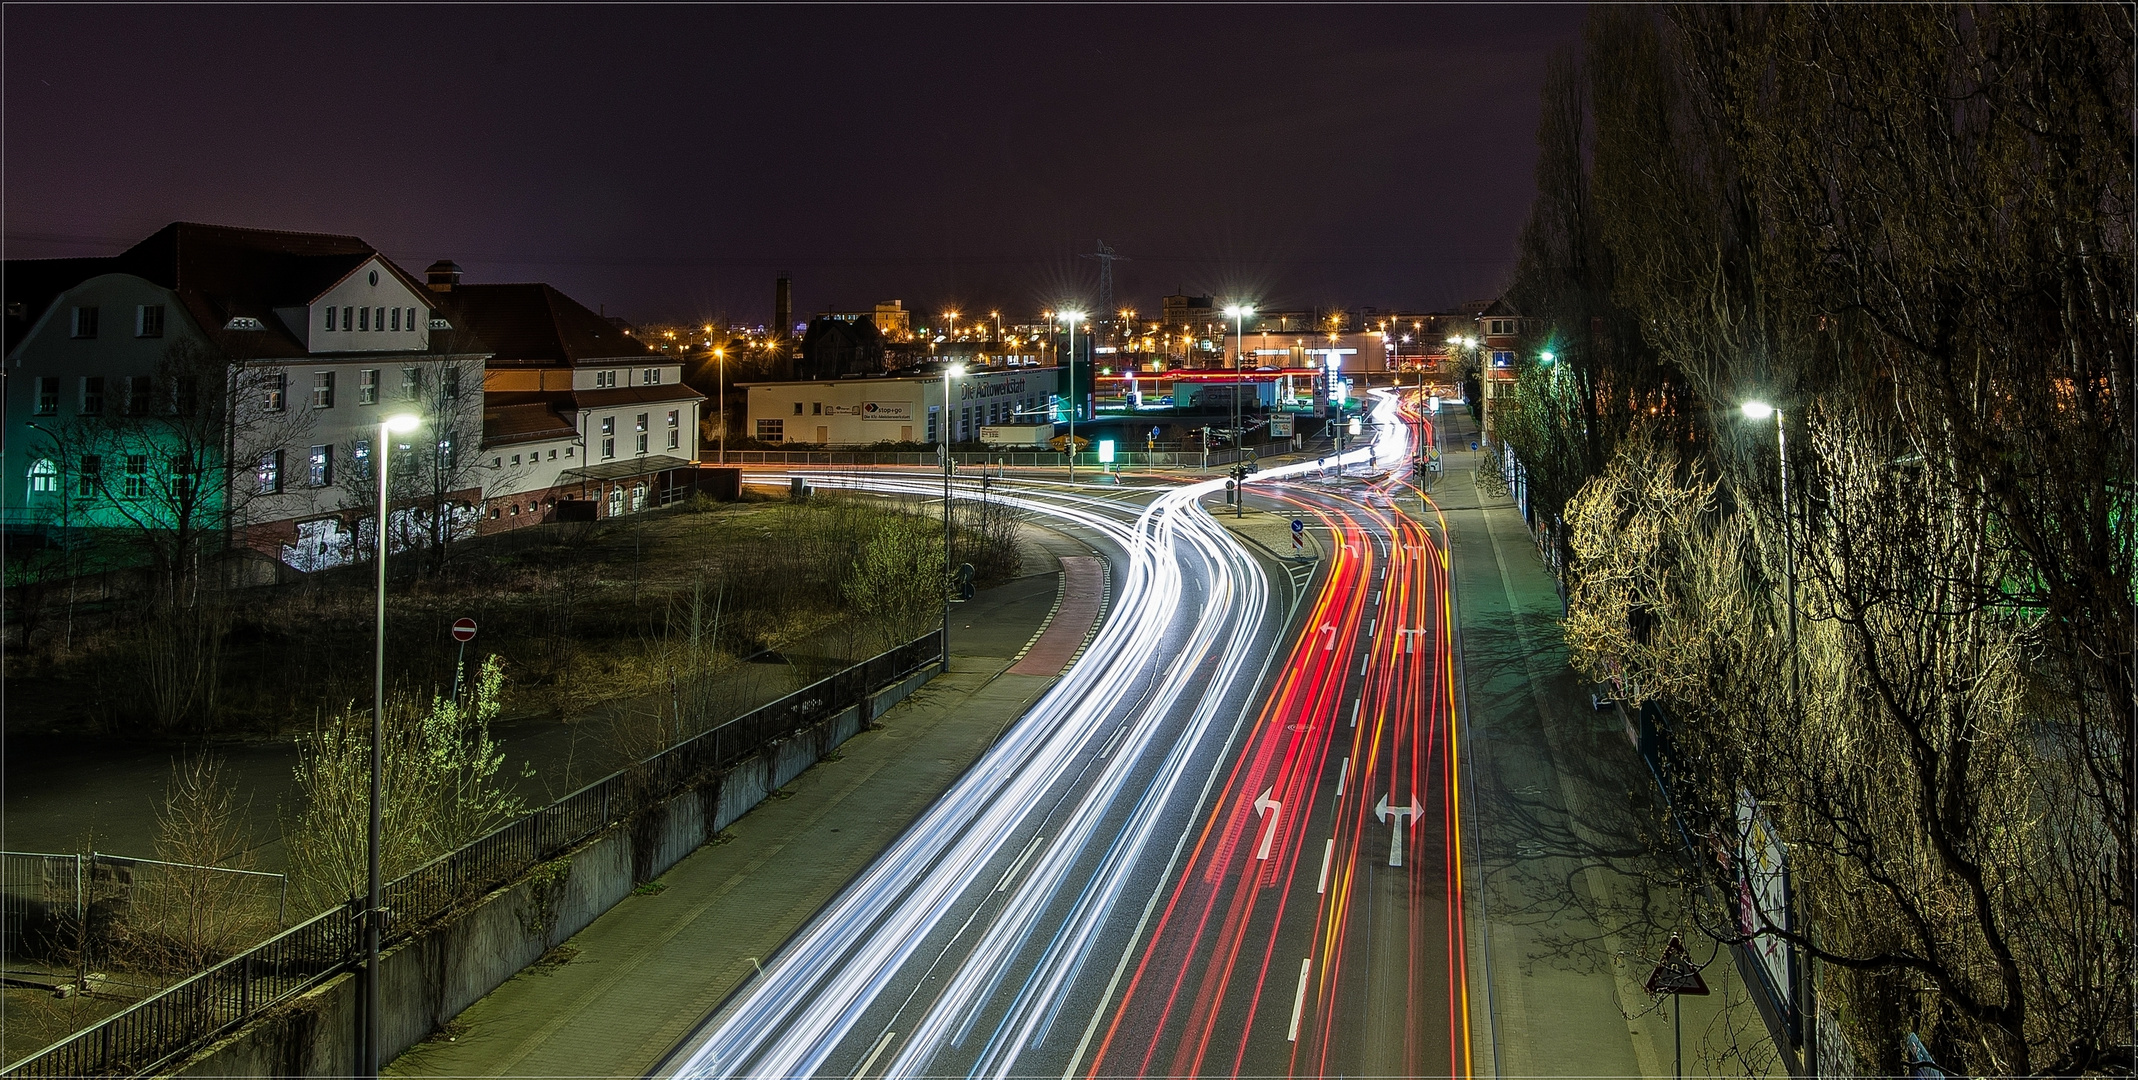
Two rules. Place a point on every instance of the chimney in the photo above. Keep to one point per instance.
(783, 309)
(443, 275)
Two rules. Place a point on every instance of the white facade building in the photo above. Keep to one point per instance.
(900, 409)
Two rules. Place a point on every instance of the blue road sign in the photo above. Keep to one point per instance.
(1298, 526)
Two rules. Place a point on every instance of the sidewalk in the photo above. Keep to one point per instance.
(626, 989)
(1569, 914)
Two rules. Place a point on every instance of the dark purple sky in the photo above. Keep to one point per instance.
(667, 161)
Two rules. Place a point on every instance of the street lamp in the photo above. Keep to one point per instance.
(1072, 318)
(398, 423)
(1758, 412)
(720, 363)
(950, 371)
(1238, 313)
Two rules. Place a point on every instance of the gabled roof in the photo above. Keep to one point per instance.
(534, 324)
(221, 272)
(32, 285)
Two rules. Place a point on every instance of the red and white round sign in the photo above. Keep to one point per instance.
(464, 630)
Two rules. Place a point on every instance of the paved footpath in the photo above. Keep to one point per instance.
(637, 980)
(1569, 917)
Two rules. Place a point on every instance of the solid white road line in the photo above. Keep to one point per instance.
(1299, 1000)
(870, 1061)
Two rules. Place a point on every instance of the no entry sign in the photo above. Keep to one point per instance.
(464, 630)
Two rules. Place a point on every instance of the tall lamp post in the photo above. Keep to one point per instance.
(720, 363)
(950, 371)
(1238, 313)
(1758, 412)
(398, 423)
(1072, 318)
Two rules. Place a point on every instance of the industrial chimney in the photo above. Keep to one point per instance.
(782, 310)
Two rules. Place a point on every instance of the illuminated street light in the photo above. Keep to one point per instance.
(1072, 318)
(1238, 313)
(396, 424)
(950, 371)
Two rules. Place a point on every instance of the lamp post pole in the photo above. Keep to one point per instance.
(370, 1050)
(1072, 318)
(720, 363)
(949, 370)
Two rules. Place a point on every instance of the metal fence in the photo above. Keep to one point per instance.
(178, 1020)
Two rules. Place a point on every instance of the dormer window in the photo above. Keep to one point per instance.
(243, 322)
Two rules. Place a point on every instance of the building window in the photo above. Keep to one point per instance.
(378, 321)
(270, 472)
(85, 322)
(675, 439)
(330, 316)
(323, 390)
(651, 376)
(448, 381)
(411, 382)
(136, 475)
(604, 380)
(348, 316)
(367, 387)
(553, 454)
(277, 387)
(44, 477)
(182, 479)
(360, 459)
(148, 320)
(932, 410)
(89, 475)
(412, 318)
(396, 318)
(642, 443)
(47, 395)
(641, 422)
(321, 472)
(363, 318)
(771, 430)
(797, 408)
(448, 449)
(1502, 359)
(138, 388)
(608, 437)
(816, 408)
(567, 452)
(92, 395)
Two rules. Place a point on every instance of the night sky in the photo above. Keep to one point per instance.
(666, 162)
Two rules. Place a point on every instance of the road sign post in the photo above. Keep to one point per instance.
(463, 632)
(1677, 976)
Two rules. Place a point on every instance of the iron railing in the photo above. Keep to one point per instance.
(159, 1029)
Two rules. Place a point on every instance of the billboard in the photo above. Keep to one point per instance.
(887, 410)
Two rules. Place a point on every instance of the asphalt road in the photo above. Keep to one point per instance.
(1224, 844)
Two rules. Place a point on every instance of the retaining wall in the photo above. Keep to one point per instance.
(429, 979)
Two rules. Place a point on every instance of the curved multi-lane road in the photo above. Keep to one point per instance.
(1227, 842)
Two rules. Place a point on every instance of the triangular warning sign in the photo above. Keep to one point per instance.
(1676, 974)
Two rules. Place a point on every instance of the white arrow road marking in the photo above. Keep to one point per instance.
(1410, 638)
(1328, 853)
(873, 1055)
(1329, 629)
(1382, 811)
(1299, 1000)
(1270, 809)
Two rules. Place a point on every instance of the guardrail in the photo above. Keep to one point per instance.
(160, 1029)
